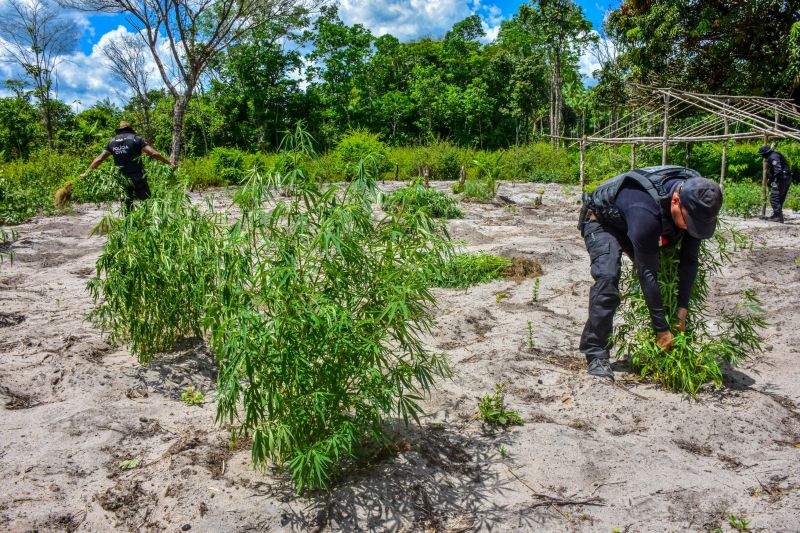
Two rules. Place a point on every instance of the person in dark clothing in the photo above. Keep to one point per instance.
(127, 148)
(779, 176)
(636, 213)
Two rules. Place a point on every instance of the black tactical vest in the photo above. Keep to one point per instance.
(652, 179)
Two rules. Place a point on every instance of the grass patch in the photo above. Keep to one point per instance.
(418, 197)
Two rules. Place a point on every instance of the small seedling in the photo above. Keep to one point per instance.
(738, 523)
(530, 335)
(193, 396)
(492, 409)
(797, 261)
(501, 297)
(503, 451)
(129, 464)
(535, 290)
(538, 199)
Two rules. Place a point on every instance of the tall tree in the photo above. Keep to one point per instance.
(193, 34)
(340, 55)
(36, 36)
(127, 56)
(711, 46)
(566, 33)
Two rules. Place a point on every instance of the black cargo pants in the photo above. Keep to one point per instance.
(777, 194)
(138, 189)
(605, 247)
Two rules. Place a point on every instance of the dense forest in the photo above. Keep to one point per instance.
(311, 67)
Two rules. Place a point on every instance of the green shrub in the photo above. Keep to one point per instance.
(7, 236)
(492, 409)
(228, 164)
(444, 160)
(314, 309)
(793, 196)
(361, 145)
(28, 186)
(201, 173)
(462, 270)
(156, 272)
(541, 162)
(435, 203)
(698, 353)
(742, 199)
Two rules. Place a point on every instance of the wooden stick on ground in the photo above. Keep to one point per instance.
(555, 500)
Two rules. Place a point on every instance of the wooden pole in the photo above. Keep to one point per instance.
(688, 154)
(665, 144)
(583, 164)
(724, 167)
(633, 156)
(764, 184)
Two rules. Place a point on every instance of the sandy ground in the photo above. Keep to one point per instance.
(643, 459)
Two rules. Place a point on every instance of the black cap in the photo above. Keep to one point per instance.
(764, 150)
(702, 200)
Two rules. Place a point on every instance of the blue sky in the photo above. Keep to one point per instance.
(83, 77)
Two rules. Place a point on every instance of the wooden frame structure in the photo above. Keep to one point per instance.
(701, 117)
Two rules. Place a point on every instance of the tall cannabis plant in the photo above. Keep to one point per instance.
(314, 308)
(155, 275)
(698, 353)
(316, 323)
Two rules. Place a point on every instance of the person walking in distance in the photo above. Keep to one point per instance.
(780, 178)
(636, 213)
(127, 148)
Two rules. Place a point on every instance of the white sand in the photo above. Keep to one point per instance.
(74, 407)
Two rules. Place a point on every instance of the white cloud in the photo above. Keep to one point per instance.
(588, 64)
(87, 78)
(413, 19)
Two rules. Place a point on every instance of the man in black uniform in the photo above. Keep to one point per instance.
(127, 148)
(636, 212)
(780, 177)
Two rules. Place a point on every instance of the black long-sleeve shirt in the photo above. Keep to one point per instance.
(643, 219)
(777, 167)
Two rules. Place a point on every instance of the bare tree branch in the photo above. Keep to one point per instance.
(127, 55)
(196, 31)
(36, 36)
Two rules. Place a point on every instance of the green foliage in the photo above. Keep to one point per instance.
(339, 300)
(7, 236)
(698, 353)
(493, 411)
(541, 162)
(435, 203)
(313, 306)
(129, 464)
(193, 396)
(742, 199)
(157, 269)
(531, 344)
(535, 290)
(462, 270)
(28, 186)
(360, 145)
(103, 184)
(738, 523)
(228, 164)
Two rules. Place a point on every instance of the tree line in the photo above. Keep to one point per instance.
(238, 73)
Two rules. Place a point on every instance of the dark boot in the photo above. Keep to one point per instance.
(601, 367)
(776, 217)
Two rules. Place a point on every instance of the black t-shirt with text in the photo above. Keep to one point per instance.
(127, 148)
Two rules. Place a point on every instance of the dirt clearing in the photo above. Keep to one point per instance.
(90, 441)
